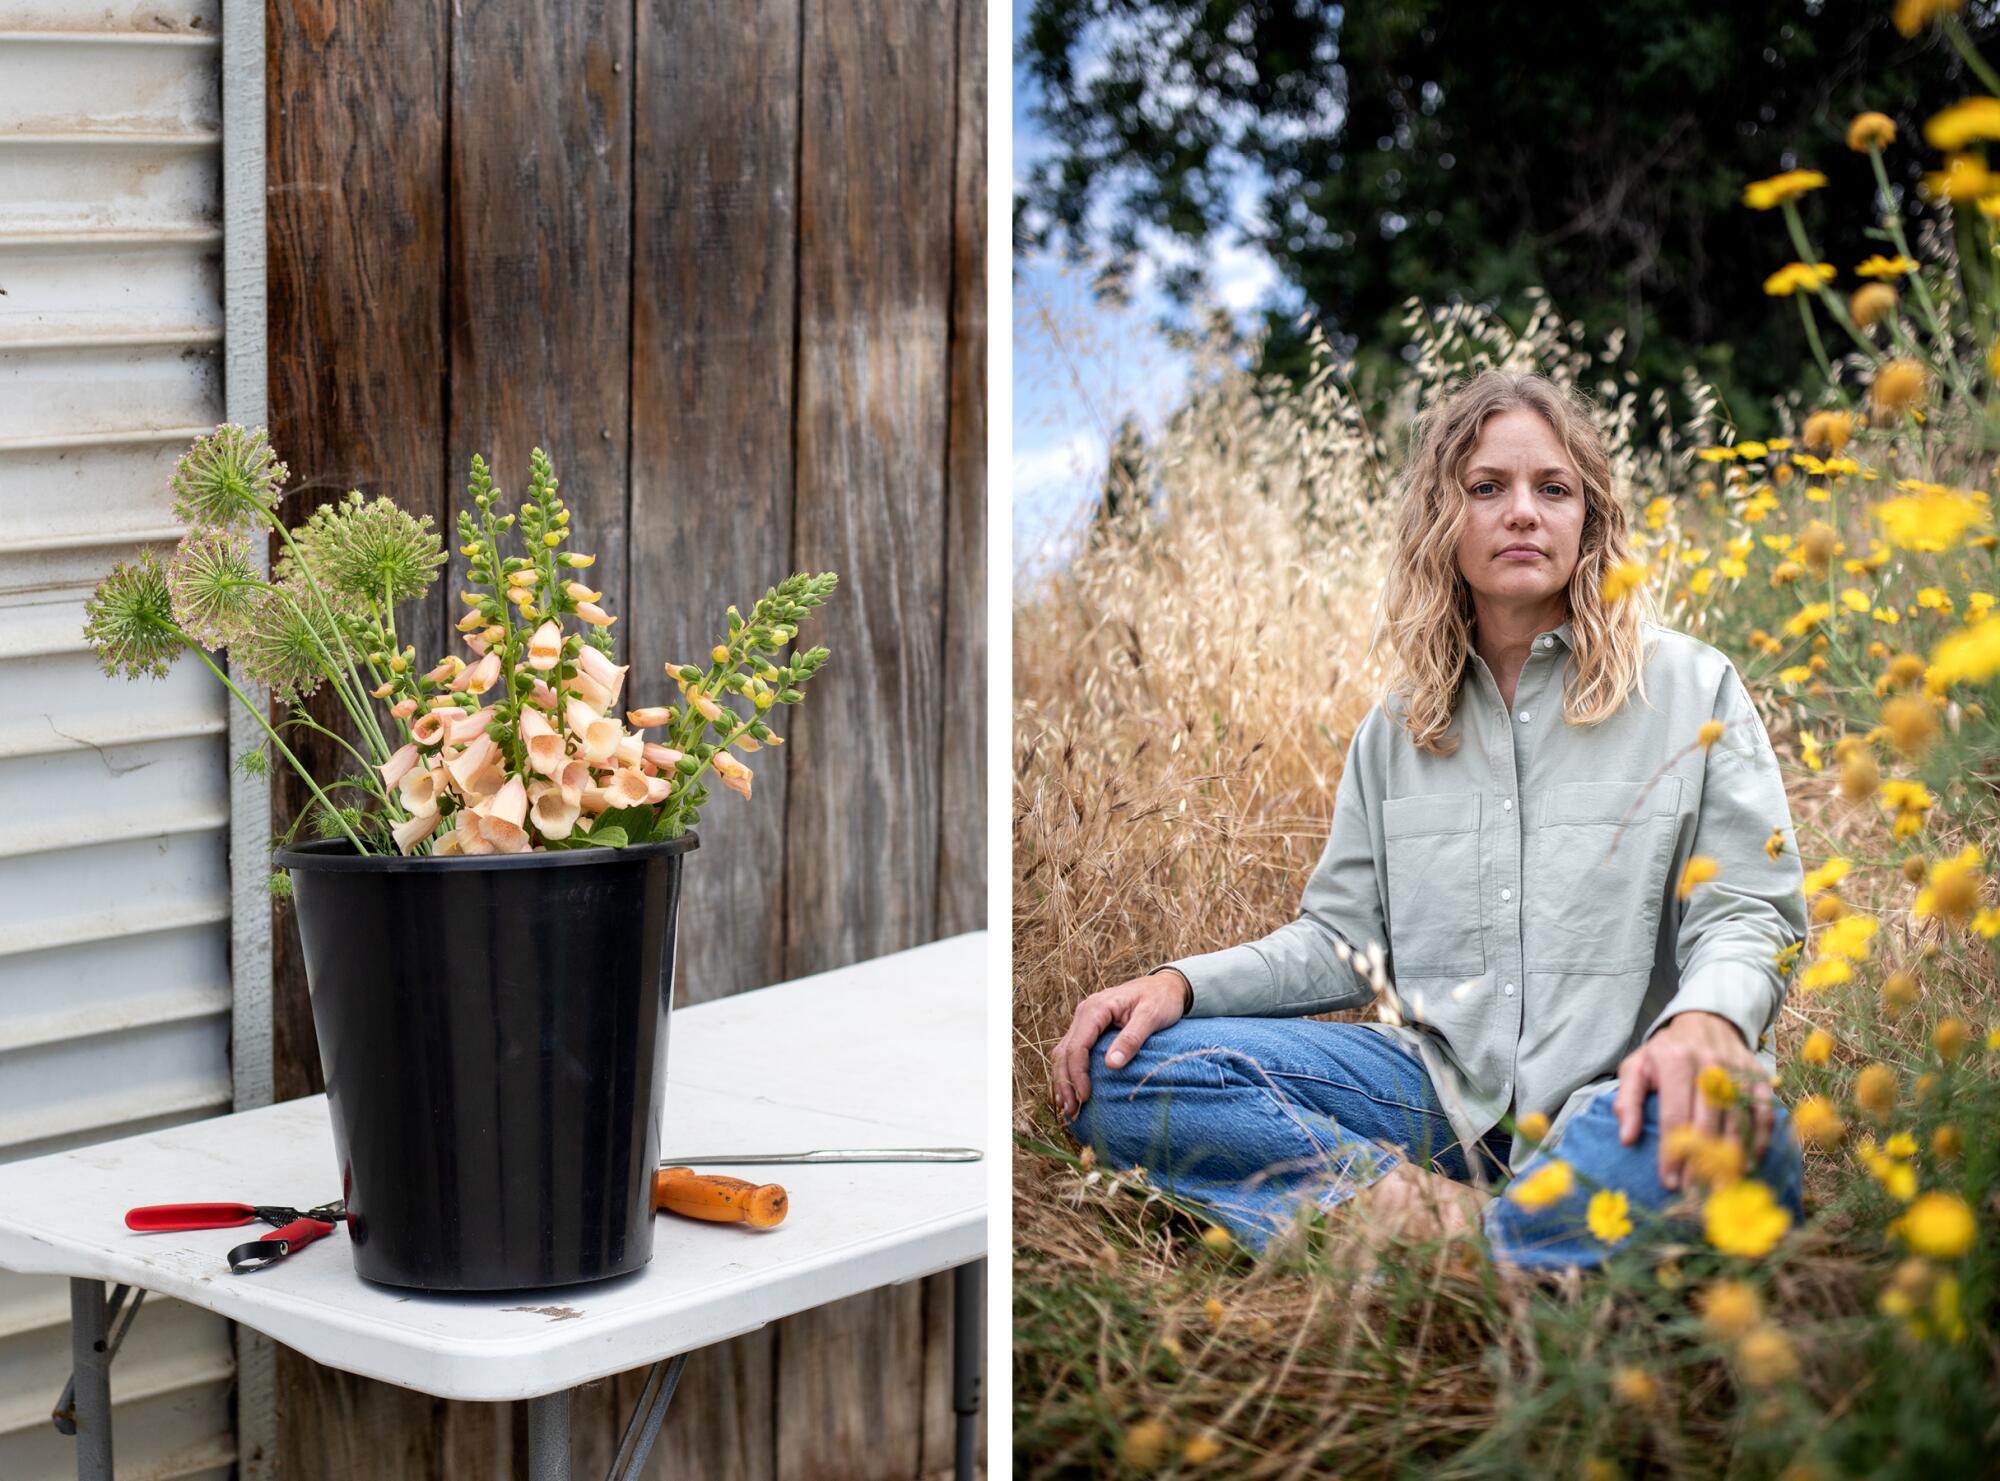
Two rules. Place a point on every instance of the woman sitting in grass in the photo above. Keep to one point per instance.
(1562, 861)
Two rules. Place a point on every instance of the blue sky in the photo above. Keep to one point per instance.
(1072, 387)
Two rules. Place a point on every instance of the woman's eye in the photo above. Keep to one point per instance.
(1557, 487)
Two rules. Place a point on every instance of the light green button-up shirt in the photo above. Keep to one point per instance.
(1526, 887)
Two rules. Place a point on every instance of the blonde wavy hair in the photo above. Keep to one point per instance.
(1427, 605)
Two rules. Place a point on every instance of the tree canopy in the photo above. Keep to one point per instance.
(1414, 147)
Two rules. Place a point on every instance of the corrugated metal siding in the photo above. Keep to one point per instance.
(114, 795)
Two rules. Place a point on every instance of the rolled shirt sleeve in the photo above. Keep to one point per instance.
(1734, 926)
(1295, 970)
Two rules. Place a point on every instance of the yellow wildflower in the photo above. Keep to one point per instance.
(1952, 890)
(1963, 178)
(1818, 1123)
(1608, 1216)
(1729, 1308)
(1938, 1226)
(1145, 1445)
(1899, 991)
(1717, 1086)
(1775, 844)
(1533, 1126)
(1213, 1310)
(1709, 734)
(1634, 1387)
(1870, 131)
(1793, 276)
(1762, 195)
(1218, 1239)
(1548, 1184)
(1824, 972)
(1930, 520)
(1766, 1356)
(1950, 1037)
(1848, 937)
(1623, 579)
(1963, 124)
(1946, 1144)
(1911, 16)
(1818, 1047)
(1871, 303)
(1699, 869)
(1200, 1449)
(1898, 386)
(1970, 656)
(1878, 266)
(1875, 1089)
(1828, 430)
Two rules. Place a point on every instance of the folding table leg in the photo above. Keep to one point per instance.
(548, 1437)
(967, 1338)
(90, 1351)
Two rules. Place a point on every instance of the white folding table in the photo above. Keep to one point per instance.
(883, 1053)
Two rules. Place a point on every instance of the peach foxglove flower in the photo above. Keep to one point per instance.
(735, 775)
(408, 834)
(481, 677)
(597, 735)
(470, 839)
(545, 747)
(545, 647)
(706, 705)
(578, 592)
(509, 804)
(465, 728)
(658, 789)
(554, 815)
(392, 770)
(595, 615)
(589, 691)
(402, 709)
(610, 675)
(478, 643)
(467, 764)
(663, 757)
(449, 667)
(450, 843)
(596, 800)
(630, 750)
(388, 688)
(575, 781)
(650, 715)
(420, 787)
(432, 727)
(628, 788)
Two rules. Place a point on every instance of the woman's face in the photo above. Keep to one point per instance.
(1522, 496)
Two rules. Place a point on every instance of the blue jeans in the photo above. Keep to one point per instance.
(1259, 1119)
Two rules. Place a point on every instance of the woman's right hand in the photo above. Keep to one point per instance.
(1142, 1006)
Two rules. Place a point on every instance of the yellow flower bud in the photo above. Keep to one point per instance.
(579, 561)
(552, 539)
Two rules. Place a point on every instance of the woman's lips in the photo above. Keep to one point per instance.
(1520, 555)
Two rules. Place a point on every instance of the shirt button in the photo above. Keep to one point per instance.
(1548, 641)
(1507, 804)
(1524, 714)
(1506, 894)
(1508, 989)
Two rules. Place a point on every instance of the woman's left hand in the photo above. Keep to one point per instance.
(1671, 1062)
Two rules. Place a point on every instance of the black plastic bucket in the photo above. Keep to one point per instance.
(494, 1035)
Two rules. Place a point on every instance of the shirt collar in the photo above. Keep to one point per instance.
(1567, 634)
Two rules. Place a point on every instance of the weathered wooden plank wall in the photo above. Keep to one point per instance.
(724, 260)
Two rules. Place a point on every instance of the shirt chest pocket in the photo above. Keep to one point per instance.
(1597, 876)
(1435, 912)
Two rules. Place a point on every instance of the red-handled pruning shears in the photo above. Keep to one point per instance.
(295, 1228)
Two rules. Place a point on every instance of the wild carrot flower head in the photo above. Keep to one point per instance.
(228, 478)
(129, 619)
(214, 586)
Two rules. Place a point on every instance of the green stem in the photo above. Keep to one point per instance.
(1954, 31)
(365, 722)
(278, 741)
(1832, 300)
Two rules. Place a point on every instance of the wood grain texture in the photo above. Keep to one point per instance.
(874, 292)
(714, 306)
(961, 897)
(355, 238)
(850, 1388)
(540, 261)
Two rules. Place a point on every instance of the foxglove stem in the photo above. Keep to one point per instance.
(279, 741)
